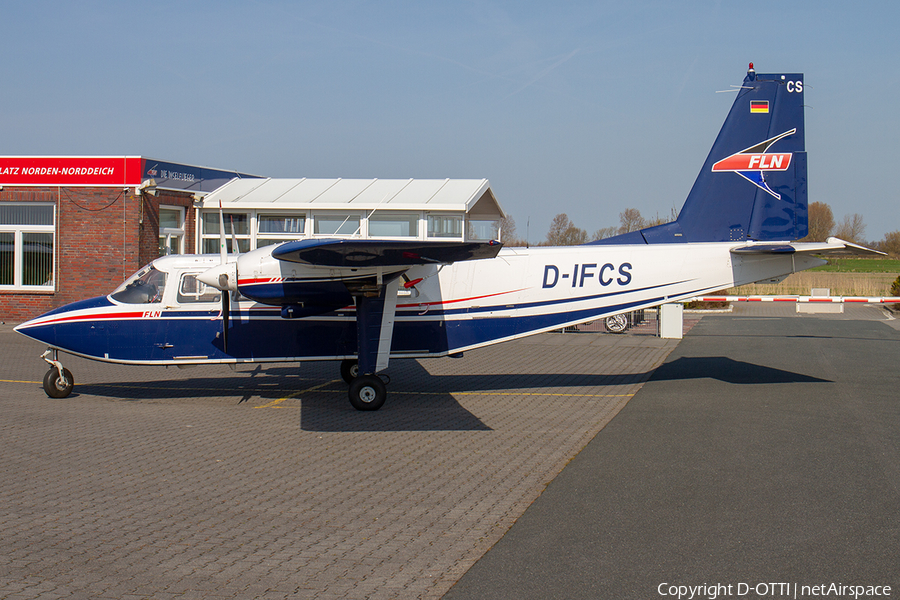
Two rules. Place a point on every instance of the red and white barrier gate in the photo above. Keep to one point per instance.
(819, 299)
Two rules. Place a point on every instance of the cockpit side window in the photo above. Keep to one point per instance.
(144, 287)
(192, 290)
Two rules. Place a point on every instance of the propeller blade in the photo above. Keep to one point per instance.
(223, 248)
(235, 249)
(226, 307)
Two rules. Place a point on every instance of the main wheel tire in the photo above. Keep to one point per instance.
(367, 392)
(53, 383)
(349, 370)
(616, 323)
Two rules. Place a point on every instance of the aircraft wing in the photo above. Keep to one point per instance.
(382, 253)
(832, 245)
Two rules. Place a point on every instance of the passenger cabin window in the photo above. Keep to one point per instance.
(192, 290)
(144, 287)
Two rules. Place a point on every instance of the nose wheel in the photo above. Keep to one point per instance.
(58, 382)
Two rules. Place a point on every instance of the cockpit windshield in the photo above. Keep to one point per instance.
(144, 287)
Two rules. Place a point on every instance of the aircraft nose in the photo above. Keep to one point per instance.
(221, 277)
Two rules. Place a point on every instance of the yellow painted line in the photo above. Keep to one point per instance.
(275, 403)
(317, 388)
(536, 394)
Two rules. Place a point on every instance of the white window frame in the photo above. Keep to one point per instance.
(358, 232)
(18, 232)
(248, 237)
(377, 216)
(471, 225)
(445, 215)
(262, 239)
(173, 232)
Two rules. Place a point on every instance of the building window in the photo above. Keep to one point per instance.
(274, 229)
(390, 224)
(445, 226)
(336, 224)
(237, 228)
(171, 230)
(483, 231)
(27, 239)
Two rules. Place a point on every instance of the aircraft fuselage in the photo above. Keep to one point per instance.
(453, 308)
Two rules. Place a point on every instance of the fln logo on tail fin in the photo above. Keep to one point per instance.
(753, 162)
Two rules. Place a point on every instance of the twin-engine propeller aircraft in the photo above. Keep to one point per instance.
(364, 301)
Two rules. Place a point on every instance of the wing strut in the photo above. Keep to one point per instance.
(375, 327)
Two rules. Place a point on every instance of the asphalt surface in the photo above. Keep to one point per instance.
(763, 455)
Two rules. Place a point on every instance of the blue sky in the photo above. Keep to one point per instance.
(586, 108)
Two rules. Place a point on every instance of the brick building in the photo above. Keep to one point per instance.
(76, 227)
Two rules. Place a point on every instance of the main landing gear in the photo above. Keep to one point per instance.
(367, 392)
(58, 382)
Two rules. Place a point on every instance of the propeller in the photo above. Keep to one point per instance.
(223, 278)
(226, 307)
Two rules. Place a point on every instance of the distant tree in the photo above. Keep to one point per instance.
(891, 243)
(662, 220)
(604, 232)
(851, 229)
(564, 233)
(508, 232)
(821, 222)
(630, 220)
(654, 221)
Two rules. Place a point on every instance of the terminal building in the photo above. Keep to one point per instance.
(75, 227)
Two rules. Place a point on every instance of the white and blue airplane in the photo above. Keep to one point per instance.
(365, 301)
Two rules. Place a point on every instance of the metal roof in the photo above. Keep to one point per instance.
(460, 195)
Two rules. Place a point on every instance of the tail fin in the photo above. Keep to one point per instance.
(753, 183)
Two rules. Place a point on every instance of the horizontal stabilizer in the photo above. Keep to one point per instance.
(832, 245)
(382, 253)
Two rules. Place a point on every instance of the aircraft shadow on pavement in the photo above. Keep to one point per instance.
(417, 400)
(727, 370)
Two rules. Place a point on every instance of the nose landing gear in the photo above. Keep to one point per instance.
(58, 382)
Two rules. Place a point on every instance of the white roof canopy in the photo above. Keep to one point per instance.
(472, 196)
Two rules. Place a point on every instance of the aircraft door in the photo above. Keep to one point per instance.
(195, 327)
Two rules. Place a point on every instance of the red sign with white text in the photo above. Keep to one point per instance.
(70, 170)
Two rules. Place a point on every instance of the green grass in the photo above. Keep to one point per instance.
(860, 265)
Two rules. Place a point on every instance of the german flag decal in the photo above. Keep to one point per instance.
(759, 106)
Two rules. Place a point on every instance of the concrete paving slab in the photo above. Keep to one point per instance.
(263, 482)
